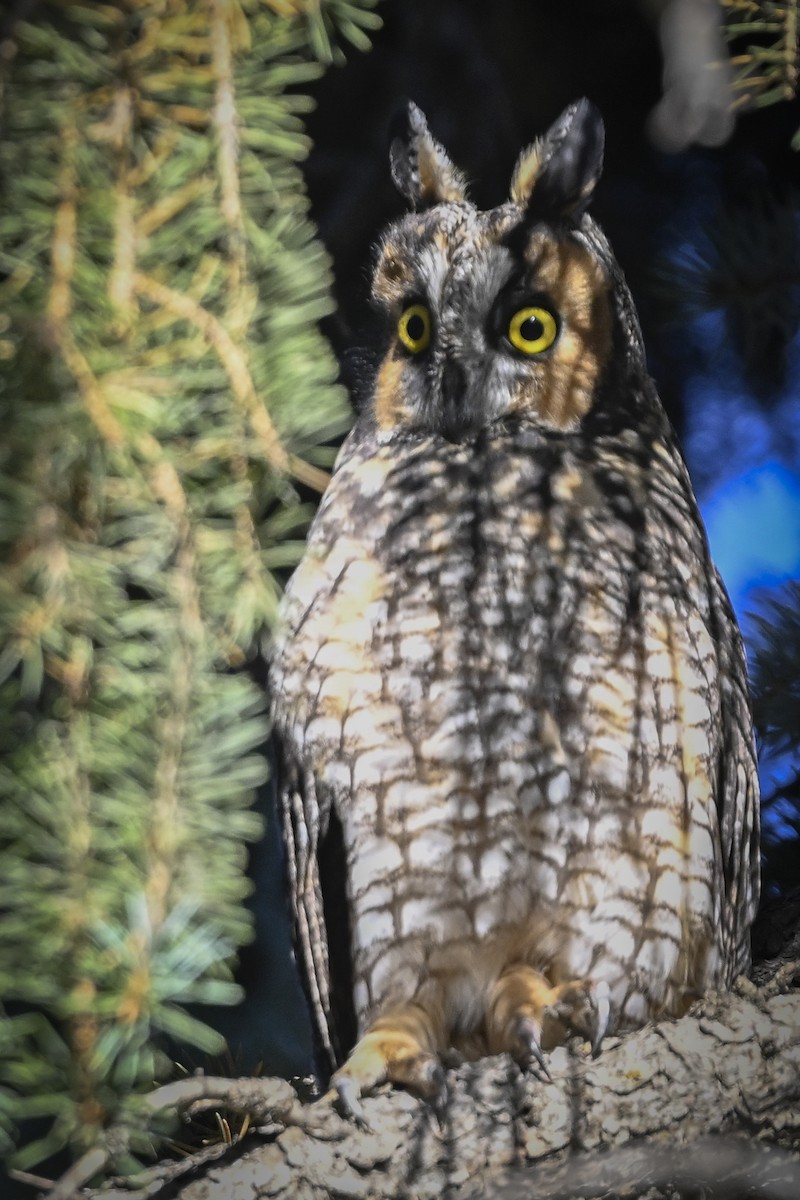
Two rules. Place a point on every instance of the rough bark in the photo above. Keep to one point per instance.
(728, 1070)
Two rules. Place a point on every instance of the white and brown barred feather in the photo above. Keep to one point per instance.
(508, 674)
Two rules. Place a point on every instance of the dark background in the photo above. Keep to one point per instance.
(708, 239)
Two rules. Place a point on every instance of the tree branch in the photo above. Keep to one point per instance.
(730, 1067)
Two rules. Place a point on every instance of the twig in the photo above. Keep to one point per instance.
(37, 1181)
(233, 360)
(266, 1100)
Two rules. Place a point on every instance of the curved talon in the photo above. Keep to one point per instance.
(529, 1033)
(348, 1094)
(435, 1078)
(440, 1094)
(600, 1016)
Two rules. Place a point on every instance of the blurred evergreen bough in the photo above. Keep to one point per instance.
(766, 59)
(163, 391)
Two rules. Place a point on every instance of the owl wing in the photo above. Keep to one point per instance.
(735, 769)
(302, 831)
(315, 857)
(738, 793)
(316, 872)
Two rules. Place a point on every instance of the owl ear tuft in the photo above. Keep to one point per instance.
(421, 168)
(556, 176)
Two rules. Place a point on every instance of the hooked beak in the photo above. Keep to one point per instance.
(455, 424)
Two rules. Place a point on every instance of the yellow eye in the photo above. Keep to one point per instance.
(532, 330)
(414, 328)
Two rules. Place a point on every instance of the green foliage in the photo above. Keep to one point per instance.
(352, 21)
(764, 37)
(163, 388)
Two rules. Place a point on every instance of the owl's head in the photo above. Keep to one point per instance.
(497, 313)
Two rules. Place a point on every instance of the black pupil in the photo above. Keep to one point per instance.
(415, 328)
(531, 329)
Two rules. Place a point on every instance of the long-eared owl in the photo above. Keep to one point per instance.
(518, 783)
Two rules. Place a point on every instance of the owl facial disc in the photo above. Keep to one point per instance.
(496, 314)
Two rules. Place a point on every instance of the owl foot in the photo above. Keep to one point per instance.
(527, 1015)
(584, 1007)
(399, 1048)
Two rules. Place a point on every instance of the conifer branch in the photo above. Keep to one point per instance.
(59, 300)
(163, 382)
(120, 285)
(90, 391)
(766, 69)
(169, 206)
(183, 307)
(224, 121)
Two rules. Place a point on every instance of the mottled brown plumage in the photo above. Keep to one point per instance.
(508, 673)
